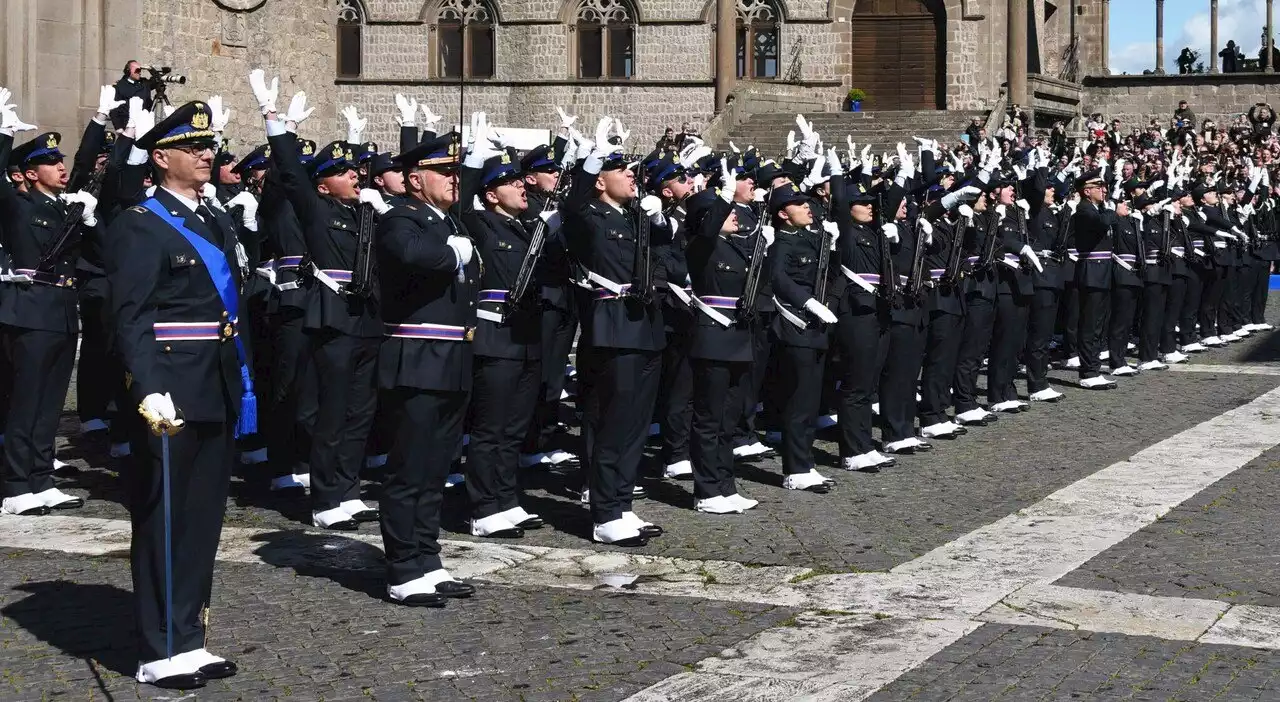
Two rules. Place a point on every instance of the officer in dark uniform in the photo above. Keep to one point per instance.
(801, 328)
(1014, 289)
(1093, 226)
(1047, 235)
(171, 266)
(388, 179)
(979, 304)
(429, 275)
(1126, 284)
(1176, 339)
(1157, 276)
(542, 170)
(1210, 225)
(39, 319)
(508, 342)
(1265, 252)
(344, 329)
(620, 349)
(945, 309)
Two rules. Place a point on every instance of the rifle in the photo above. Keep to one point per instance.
(520, 289)
(642, 271)
(71, 223)
(1166, 245)
(747, 302)
(915, 280)
(362, 274)
(954, 273)
(824, 266)
(888, 278)
(988, 258)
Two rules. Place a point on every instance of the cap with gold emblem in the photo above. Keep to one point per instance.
(499, 170)
(306, 151)
(443, 153)
(257, 159)
(860, 194)
(43, 150)
(784, 195)
(331, 159)
(187, 126)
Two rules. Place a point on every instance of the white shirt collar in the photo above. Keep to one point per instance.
(190, 204)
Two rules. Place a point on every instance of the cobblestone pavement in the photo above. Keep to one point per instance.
(774, 629)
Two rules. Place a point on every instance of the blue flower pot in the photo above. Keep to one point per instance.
(855, 106)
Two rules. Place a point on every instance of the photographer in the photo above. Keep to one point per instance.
(130, 85)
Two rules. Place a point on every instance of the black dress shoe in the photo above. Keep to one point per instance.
(651, 531)
(366, 515)
(344, 525)
(185, 681)
(422, 599)
(924, 446)
(532, 523)
(640, 493)
(34, 512)
(454, 589)
(633, 542)
(820, 488)
(960, 431)
(512, 533)
(219, 670)
(70, 504)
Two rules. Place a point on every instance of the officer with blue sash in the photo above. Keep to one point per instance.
(174, 290)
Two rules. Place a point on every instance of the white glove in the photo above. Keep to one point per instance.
(1026, 206)
(1020, 172)
(927, 227)
(9, 121)
(767, 232)
(408, 109)
(584, 148)
(623, 134)
(815, 176)
(603, 148)
(266, 96)
(734, 147)
(552, 218)
(246, 200)
(219, 117)
(965, 211)
(833, 230)
(759, 194)
(791, 143)
(968, 193)
(209, 194)
(1073, 204)
(927, 145)
(298, 110)
(462, 248)
(566, 120)
(728, 181)
(699, 183)
(692, 154)
(140, 121)
(1169, 208)
(373, 197)
(481, 147)
(890, 232)
(355, 124)
(820, 311)
(90, 204)
(169, 110)
(107, 100)
(651, 205)
(808, 139)
(1030, 255)
(160, 413)
(430, 117)
(1000, 210)
(833, 163)
(906, 168)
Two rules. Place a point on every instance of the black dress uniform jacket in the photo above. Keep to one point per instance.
(284, 243)
(795, 274)
(718, 267)
(156, 276)
(1093, 226)
(1127, 242)
(417, 272)
(1044, 233)
(331, 230)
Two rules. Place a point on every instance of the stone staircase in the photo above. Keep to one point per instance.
(883, 129)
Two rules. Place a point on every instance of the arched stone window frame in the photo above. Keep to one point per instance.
(469, 29)
(349, 38)
(603, 42)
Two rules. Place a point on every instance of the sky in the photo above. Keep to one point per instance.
(1186, 23)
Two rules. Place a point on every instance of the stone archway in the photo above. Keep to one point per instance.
(899, 53)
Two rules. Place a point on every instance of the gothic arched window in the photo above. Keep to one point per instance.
(465, 32)
(758, 30)
(350, 25)
(606, 39)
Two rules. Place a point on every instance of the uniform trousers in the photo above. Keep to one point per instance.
(1124, 304)
(1151, 331)
(1041, 318)
(1175, 301)
(941, 349)
(427, 430)
(559, 325)
(1187, 316)
(294, 395)
(1009, 336)
(1212, 280)
(1069, 315)
(623, 390)
(898, 379)
(1226, 313)
(718, 388)
(801, 381)
(675, 393)
(504, 392)
(979, 318)
(863, 336)
(1093, 315)
(345, 367)
(1258, 293)
(761, 346)
(261, 347)
(97, 372)
(200, 459)
(42, 362)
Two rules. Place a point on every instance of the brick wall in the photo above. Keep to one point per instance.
(1138, 99)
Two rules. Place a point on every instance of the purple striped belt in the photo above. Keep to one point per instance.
(493, 296)
(338, 276)
(436, 332)
(1099, 256)
(936, 273)
(194, 331)
(606, 294)
(719, 302)
(288, 262)
(1127, 258)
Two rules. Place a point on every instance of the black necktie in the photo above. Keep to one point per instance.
(212, 222)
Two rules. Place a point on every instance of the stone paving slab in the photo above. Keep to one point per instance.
(1006, 663)
(1219, 545)
(309, 633)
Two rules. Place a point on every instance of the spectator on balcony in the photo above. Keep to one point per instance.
(1230, 58)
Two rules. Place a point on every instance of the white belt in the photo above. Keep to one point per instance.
(486, 315)
(788, 315)
(680, 293)
(858, 280)
(716, 315)
(1123, 263)
(325, 279)
(615, 288)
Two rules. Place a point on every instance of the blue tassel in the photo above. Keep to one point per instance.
(248, 422)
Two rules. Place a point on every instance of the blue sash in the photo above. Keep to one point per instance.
(215, 262)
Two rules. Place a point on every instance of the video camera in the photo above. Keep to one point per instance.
(158, 80)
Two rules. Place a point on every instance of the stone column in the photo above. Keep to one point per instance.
(726, 50)
(1106, 37)
(1213, 36)
(1160, 37)
(1016, 53)
(1268, 44)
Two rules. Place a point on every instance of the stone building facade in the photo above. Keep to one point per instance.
(55, 53)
